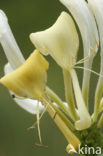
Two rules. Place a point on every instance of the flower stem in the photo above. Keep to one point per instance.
(70, 137)
(64, 118)
(85, 119)
(69, 94)
(98, 96)
(86, 81)
(59, 102)
(99, 91)
(100, 122)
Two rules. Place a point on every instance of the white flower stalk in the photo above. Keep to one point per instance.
(15, 59)
(61, 42)
(97, 8)
(89, 33)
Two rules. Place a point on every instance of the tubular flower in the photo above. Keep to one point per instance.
(15, 59)
(89, 33)
(97, 9)
(61, 42)
(28, 80)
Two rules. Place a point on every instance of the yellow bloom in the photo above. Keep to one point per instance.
(29, 80)
(60, 41)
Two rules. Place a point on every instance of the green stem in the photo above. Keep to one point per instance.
(99, 91)
(64, 118)
(98, 96)
(59, 102)
(69, 135)
(100, 122)
(69, 94)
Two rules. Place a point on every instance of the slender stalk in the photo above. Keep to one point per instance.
(59, 102)
(64, 118)
(85, 119)
(70, 137)
(69, 93)
(101, 106)
(86, 82)
(100, 122)
(98, 96)
(99, 90)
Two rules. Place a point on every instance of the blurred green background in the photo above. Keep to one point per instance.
(26, 17)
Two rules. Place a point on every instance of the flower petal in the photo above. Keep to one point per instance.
(89, 33)
(97, 8)
(60, 41)
(8, 43)
(85, 21)
(15, 59)
(28, 80)
(27, 104)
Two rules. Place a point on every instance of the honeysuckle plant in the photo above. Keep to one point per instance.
(26, 80)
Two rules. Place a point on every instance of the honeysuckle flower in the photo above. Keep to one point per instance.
(89, 33)
(97, 8)
(29, 80)
(15, 59)
(63, 49)
(61, 42)
(20, 82)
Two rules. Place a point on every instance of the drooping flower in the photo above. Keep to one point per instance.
(89, 33)
(97, 8)
(29, 81)
(15, 59)
(61, 42)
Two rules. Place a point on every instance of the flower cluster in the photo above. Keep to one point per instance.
(61, 41)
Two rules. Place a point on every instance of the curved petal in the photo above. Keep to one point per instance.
(97, 8)
(8, 43)
(27, 104)
(89, 33)
(15, 59)
(85, 22)
(60, 41)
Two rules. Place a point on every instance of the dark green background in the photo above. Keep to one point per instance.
(26, 16)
